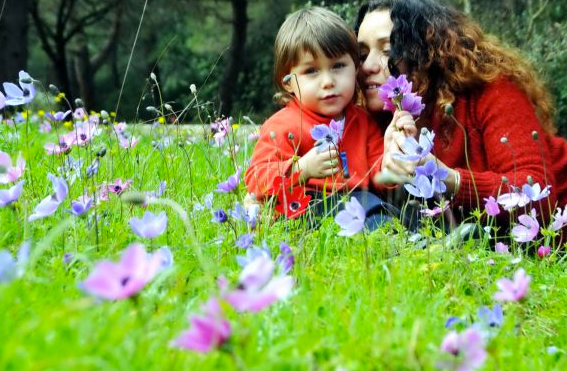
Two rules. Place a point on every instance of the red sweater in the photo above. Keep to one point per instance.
(499, 110)
(361, 141)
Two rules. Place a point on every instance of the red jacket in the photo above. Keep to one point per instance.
(500, 110)
(362, 142)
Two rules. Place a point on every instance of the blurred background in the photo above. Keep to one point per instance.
(97, 49)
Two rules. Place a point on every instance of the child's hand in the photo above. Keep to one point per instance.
(403, 121)
(315, 164)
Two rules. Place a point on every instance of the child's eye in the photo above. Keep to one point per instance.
(339, 65)
(310, 71)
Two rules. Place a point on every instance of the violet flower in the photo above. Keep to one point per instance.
(414, 150)
(528, 229)
(328, 135)
(491, 317)
(150, 225)
(535, 193)
(81, 205)
(253, 253)
(8, 196)
(428, 180)
(9, 173)
(16, 96)
(166, 256)
(258, 288)
(11, 268)
(119, 186)
(543, 251)
(244, 241)
(57, 116)
(219, 216)
(116, 281)
(285, 259)
(84, 133)
(2, 101)
(231, 184)
(491, 206)
(351, 219)
(396, 94)
(510, 200)
(501, 248)
(127, 143)
(207, 332)
(467, 348)
(50, 204)
(66, 141)
(436, 210)
(513, 290)
(246, 215)
(559, 219)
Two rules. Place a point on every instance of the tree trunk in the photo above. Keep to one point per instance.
(13, 40)
(83, 72)
(235, 59)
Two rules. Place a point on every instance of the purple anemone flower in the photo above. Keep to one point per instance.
(501, 248)
(166, 257)
(81, 205)
(491, 317)
(428, 180)
(514, 290)
(285, 259)
(414, 150)
(351, 219)
(534, 192)
(543, 251)
(231, 184)
(8, 196)
(50, 204)
(11, 268)
(491, 206)
(115, 281)
(8, 172)
(258, 288)
(467, 349)
(396, 94)
(150, 225)
(559, 219)
(245, 241)
(529, 228)
(58, 116)
(219, 216)
(2, 100)
(16, 96)
(328, 135)
(207, 332)
(253, 253)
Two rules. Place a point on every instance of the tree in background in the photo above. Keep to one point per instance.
(13, 39)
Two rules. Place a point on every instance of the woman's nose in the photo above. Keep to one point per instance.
(374, 63)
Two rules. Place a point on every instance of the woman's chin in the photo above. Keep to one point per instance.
(374, 105)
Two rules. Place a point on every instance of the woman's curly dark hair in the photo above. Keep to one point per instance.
(447, 54)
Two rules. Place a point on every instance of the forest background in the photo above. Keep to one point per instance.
(103, 51)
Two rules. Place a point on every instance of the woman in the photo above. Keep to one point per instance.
(490, 90)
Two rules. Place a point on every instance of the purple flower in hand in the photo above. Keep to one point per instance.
(513, 290)
(231, 184)
(414, 150)
(351, 219)
(49, 205)
(396, 94)
(150, 225)
(467, 349)
(328, 135)
(258, 288)
(115, 281)
(491, 206)
(9, 173)
(16, 96)
(7, 196)
(529, 228)
(207, 332)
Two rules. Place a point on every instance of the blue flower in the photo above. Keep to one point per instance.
(11, 268)
(351, 219)
(491, 317)
(428, 180)
(245, 241)
(219, 216)
(150, 225)
(285, 259)
(414, 150)
(16, 96)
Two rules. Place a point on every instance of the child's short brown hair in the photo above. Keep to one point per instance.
(315, 30)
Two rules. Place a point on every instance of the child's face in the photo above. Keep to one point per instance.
(324, 85)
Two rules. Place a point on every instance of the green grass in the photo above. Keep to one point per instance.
(373, 302)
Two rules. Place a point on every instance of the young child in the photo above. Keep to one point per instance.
(315, 66)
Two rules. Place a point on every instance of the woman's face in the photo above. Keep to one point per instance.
(374, 43)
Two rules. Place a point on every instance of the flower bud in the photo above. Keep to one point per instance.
(104, 114)
(504, 180)
(167, 107)
(530, 180)
(101, 152)
(53, 89)
(193, 89)
(273, 134)
(152, 109)
(290, 136)
(153, 76)
(503, 140)
(535, 135)
(79, 102)
(449, 109)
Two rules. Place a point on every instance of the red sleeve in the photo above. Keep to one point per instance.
(503, 110)
(272, 156)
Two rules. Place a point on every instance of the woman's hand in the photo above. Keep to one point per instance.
(401, 127)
